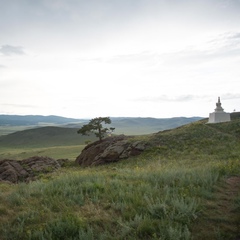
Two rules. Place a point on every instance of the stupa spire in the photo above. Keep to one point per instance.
(219, 106)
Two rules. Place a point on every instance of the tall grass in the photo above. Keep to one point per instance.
(120, 201)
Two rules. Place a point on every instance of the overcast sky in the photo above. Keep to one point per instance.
(129, 58)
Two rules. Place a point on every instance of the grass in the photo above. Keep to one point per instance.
(69, 152)
(118, 201)
(175, 190)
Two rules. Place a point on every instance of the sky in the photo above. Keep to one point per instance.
(119, 58)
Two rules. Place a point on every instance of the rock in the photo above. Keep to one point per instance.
(63, 161)
(110, 149)
(12, 171)
(40, 164)
(27, 169)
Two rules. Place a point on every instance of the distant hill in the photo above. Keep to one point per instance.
(149, 125)
(123, 125)
(235, 115)
(17, 120)
(139, 126)
(49, 136)
(66, 135)
(44, 137)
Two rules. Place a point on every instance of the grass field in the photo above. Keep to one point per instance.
(186, 186)
(69, 152)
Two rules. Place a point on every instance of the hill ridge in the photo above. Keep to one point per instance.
(18, 120)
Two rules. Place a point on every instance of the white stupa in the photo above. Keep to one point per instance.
(219, 115)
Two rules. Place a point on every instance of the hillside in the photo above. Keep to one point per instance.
(38, 120)
(18, 120)
(136, 126)
(44, 137)
(140, 126)
(123, 125)
(65, 136)
(200, 138)
(184, 186)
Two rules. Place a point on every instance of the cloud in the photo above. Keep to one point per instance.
(186, 98)
(226, 41)
(142, 57)
(230, 96)
(8, 50)
(224, 46)
(146, 58)
(19, 105)
(166, 98)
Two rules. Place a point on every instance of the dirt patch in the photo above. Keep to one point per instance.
(221, 216)
(233, 184)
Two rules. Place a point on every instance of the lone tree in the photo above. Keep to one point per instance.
(96, 126)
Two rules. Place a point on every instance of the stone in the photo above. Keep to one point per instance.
(27, 169)
(12, 171)
(40, 164)
(111, 149)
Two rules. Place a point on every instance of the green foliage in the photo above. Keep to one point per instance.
(96, 126)
(67, 227)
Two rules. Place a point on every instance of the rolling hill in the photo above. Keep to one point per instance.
(44, 137)
(140, 126)
(18, 120)
(66, 134)
(137, 126)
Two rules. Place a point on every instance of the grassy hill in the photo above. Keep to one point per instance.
(126, 125)
(56, 142)
(185, 186)
(44, 137)
(50, 136)
(200, 138)
(138, 126)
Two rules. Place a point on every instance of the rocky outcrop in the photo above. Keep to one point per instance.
(12, 171)
(27, 169)
(110, 149)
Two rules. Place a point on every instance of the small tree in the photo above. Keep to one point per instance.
(95, 126)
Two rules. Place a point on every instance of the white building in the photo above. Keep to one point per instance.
(219, 115)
